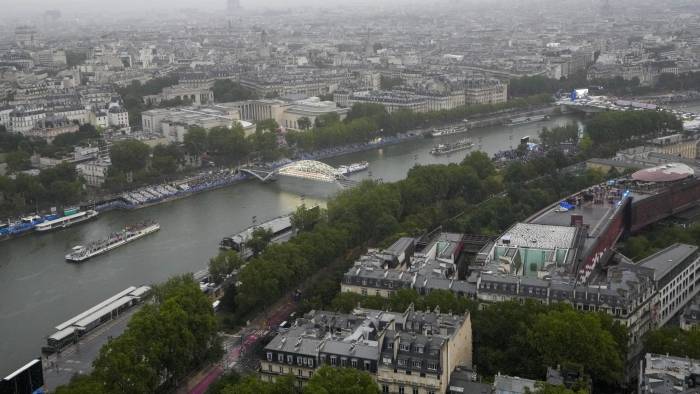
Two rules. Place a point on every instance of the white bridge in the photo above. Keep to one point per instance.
(304, 169)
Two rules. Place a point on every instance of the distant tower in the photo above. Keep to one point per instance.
(232, 6)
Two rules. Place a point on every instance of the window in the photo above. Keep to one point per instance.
(353, 362)
(420, 347)
(432, 366)
(281, 369)
(367, 365)
(299, 359)
(415, 390)
(323, 359)
(269, 367)
(405, 346)
(403, 363)
(364, 291)
(311, 363)
(269, 356)
(280, 358)
(334, 360)
(385, 388)
(299, 373)
(390, 345)
(401, 390)
(290, 359)
(416, 363)
(343, 362)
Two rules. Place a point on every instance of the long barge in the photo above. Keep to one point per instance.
(445, 149)
(128, 234)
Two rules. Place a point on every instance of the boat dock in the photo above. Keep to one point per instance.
(281, 228)
(70, 331)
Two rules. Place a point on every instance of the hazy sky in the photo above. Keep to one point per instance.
(34, 5)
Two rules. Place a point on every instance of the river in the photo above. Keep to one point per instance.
(39, 290)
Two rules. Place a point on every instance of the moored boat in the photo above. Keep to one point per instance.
(70, 217)
(353, 168)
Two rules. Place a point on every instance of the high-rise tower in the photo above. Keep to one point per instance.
(232, 6)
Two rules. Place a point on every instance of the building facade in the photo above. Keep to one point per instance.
(410, 352)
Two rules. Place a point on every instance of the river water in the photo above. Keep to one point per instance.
(39, 290)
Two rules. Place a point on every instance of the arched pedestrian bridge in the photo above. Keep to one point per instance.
(303, 169)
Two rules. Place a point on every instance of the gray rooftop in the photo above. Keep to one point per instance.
(663, 261)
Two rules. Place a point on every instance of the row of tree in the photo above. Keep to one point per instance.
(164, 341)
(326, 380)
(229, 145)
(59, 185)
(618, 126)
(526, 86)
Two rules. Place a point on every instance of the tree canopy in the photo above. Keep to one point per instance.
(331, 380)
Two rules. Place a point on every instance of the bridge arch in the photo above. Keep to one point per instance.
(310, 169)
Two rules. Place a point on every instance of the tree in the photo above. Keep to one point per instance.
(226, 90)
(228, 301)
(304, 123)
(82, 384)
(195, 141)
(267, 125)
(568, 336)
(228, 145)
(388, 83)
(166, 159)
(259, 240)
(673, 341)
(253, 385)
(129, 155)
(18, 160)
(328, 380)
(223, 264)
(304, 219)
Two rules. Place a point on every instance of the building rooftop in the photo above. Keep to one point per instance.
(663, 261)
(539, 236)
(512, 385)
(664, 173)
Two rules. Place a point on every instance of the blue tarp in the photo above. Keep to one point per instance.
(566, 205)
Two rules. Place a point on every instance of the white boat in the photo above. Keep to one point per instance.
(353, 168)
(445, 149)
(72, 217)
(448, 131)
(81, 253)
(527, 119)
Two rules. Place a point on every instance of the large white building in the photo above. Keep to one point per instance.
(287, 113)
(173, 123)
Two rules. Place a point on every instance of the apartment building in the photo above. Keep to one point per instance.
(485, 91)
(410, 352)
